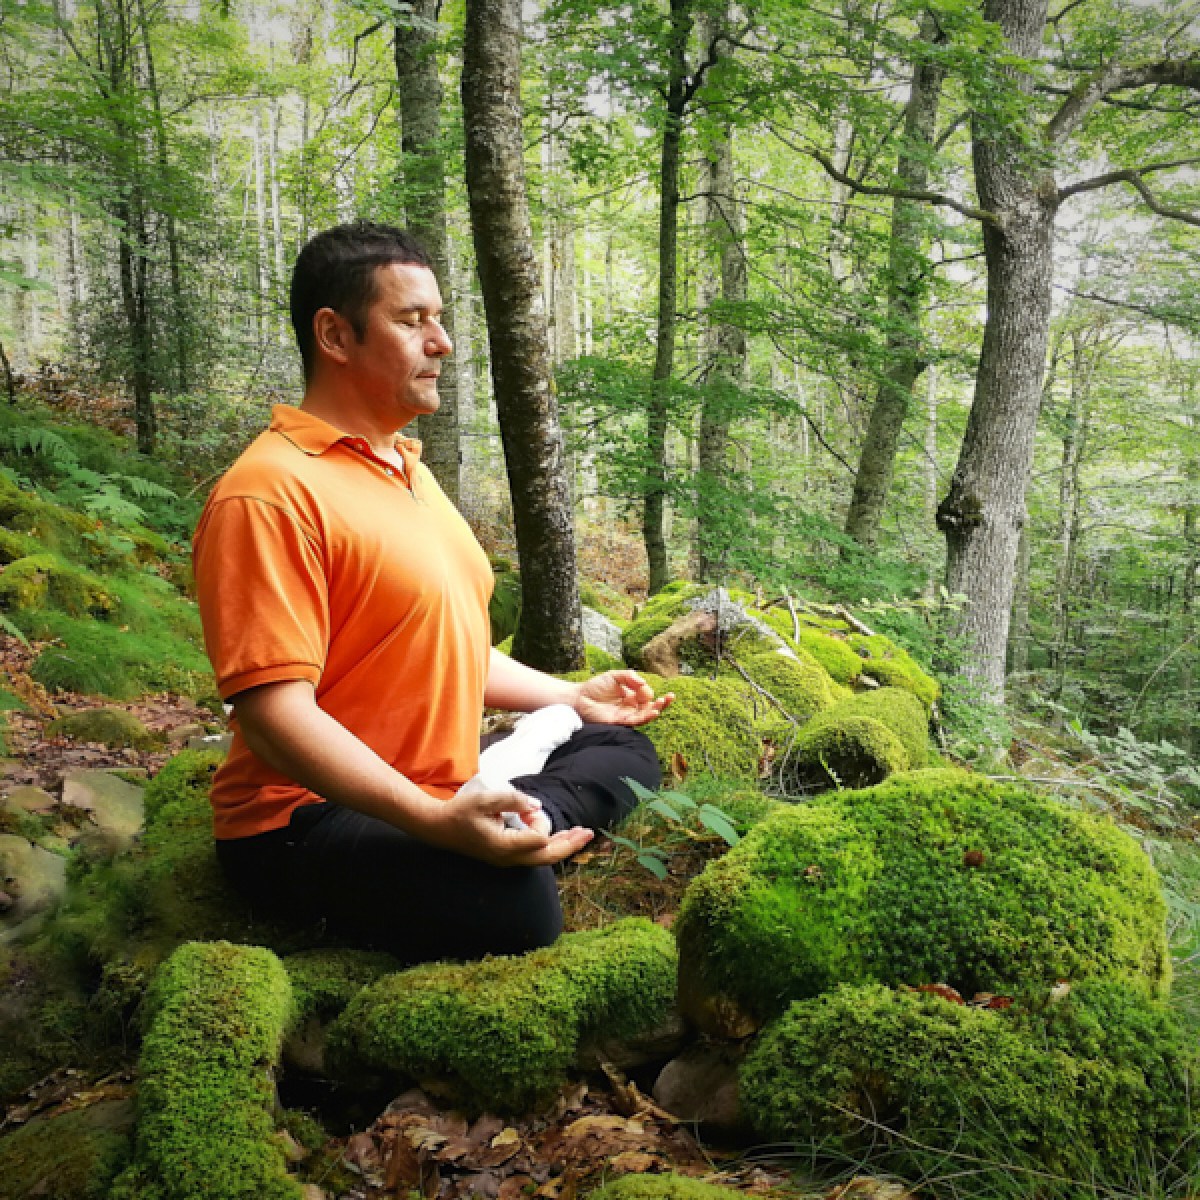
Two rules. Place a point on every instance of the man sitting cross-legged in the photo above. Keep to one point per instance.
(345, 609)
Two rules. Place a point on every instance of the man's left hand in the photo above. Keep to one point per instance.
(619, 698)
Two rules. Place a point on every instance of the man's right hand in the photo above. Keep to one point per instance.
(472, 822)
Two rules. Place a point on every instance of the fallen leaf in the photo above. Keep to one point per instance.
(990, 1000)
(403, 1166)
(1060, 991)
(944, 990)
(633, 1162)
(679, 768)
(513, 1188)
(601, 1123)
(431, 1181)
(973, 858)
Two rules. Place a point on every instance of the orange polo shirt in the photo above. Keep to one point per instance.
(317, 560)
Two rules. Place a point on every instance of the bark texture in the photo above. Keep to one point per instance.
(419, 89)
(549, 635)
(907, 280)
(984, 510)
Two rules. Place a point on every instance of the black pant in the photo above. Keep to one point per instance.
(376, 886)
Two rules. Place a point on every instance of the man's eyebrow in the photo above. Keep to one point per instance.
(415, 308)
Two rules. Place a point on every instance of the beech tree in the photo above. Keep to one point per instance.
(549, 634)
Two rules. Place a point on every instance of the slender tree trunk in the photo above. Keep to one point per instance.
(728, 349)
(907, 288)
(262, 278)
(982, 514)
(279, 284)
(658, 408)
(419, 88)
(10, 384)
(549, 635)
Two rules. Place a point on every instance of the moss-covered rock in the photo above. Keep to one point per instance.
(72, 1155)
(657, 615)
(15, 545)
(1088, 1096)
(42, 580)
(502, 1033)
(325, 981)
(664, 1187)
(112, 727)
(858, 742)
(833, 653)
(207, 1092)
(932, 877)
(893, 666)
(599, 661)
(800, 684)
(711, 725)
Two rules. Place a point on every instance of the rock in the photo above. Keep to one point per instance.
(653, 1046)
(600, 632)
(116, 807)
(30, 800)
(181, 735)
(35, 879)
(112, 727)
(701, 1085)
(871, 1187)
(211, 741)
(661, 654)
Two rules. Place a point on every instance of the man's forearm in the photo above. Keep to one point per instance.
(514, 686)
(284, 726)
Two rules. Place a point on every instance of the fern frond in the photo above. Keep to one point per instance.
(144, 489)
(6, 626)
(44, 443)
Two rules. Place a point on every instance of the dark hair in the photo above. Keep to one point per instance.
(336, 269)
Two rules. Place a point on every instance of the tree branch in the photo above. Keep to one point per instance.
(1183, 73)
(1134, 179)
(1122, 176)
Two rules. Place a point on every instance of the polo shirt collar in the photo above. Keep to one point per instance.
(314, 436)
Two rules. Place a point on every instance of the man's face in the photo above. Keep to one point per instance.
(397, 362)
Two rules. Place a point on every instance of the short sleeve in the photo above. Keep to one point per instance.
(263, 595)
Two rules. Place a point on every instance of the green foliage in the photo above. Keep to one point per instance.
(502, 1032)
(207, 1094)
(1087, 1096)
(932, 877)
(504, 609)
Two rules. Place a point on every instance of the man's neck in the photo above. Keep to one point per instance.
(355, 419)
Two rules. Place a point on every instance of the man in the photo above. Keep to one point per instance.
(344, 604)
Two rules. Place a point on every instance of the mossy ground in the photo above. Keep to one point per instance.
(932, 877)
(503, 1032)
(207, 1093)
(1087, 1096)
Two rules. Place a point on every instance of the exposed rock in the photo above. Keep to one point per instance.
(600, 632)
(35, 879)
(30, 800)
(660, 654)
(701, 1085)
(871, 1187)
(181, 735)
(626, 1053)
(211, 741)
(116, 807)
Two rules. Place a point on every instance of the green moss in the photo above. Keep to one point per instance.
(185, 779)
(113, 727)
(605, 600)
(833, 654)
(858, 742)
(325, 981)
(599, 661)
(14, 546)
(41, 580)
(503, 1032)
(800, 684)
(932, 877)
(207, 1092)
(660, 612)
(51, 525)
(895, 667)
(711, 725)
(664, 1187)
(69, 1156)
(1091, 1094)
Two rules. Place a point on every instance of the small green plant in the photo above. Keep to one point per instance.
(678, 810)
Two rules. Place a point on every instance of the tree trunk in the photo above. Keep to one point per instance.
(727, 370)
(419, 88)
(982, 514)
(907, 287)
(549, 635)
(658, 409)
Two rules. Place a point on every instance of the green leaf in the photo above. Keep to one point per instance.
(663, 809)
(653, 864)
(714, 819)
(641, 792)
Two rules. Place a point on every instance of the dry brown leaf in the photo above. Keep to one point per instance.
(600, 1124)
(974, 858)
(513, 1188)
(403, 1166)
(431, 1181)
(944, 990)
(679, 768)
(633, 1162)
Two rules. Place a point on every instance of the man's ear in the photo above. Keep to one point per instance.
(332, 334)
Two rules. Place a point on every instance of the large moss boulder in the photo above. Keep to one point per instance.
(112, 727)
(500, 1034)
(207, 1093)
(664, 1187)
(1088, 1096)
(932, 877)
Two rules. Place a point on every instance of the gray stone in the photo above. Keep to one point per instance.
(701, 1085)
(117, 808)
(182, 734)
(600, 632)
(731, 617)
(211, 741)
(654, 1045)
(35, 879)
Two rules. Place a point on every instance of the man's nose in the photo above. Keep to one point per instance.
(439, 344)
